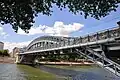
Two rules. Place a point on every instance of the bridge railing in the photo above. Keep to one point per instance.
(109, 33)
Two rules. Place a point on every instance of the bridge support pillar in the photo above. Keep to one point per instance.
(17, 58)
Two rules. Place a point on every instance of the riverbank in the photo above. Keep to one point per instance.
(73, 67)
(7, 60)
(67, 63)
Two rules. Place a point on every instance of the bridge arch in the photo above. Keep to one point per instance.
(46, 42)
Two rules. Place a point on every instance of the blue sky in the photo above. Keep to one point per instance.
(89, 25)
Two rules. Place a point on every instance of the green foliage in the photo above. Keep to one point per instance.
(21, 13)
(66, 57)
(4, 53)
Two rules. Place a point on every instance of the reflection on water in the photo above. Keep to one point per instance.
(10, 72)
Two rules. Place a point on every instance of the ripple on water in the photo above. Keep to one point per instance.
(96, 74)
(10, 72)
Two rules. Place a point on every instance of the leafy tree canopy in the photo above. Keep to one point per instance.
(4, 53)
(21, 13)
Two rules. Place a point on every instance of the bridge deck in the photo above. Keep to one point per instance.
(73, 46)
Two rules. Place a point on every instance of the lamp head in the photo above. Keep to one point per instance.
(118, 23)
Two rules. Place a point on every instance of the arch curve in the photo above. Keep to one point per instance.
(46, 42)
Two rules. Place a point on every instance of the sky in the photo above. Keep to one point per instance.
(60, 23)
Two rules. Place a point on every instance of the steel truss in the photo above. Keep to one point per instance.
(99, 59)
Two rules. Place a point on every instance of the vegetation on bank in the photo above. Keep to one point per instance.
(37, 74)
(4, 53)
(66, 58)
(72, 67)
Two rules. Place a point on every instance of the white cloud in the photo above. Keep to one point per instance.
(32, 31)
(58, 29)
(2, 33)
(11, 45)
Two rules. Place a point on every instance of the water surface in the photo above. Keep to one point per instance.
(81, 73)
(10, 72)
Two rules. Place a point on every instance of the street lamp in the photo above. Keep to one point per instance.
(118, 23)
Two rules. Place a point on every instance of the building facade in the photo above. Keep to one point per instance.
(1, 45)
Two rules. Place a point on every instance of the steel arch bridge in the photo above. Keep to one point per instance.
(46, 42)
(98, 47)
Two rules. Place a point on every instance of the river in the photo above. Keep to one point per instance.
(11, 72)
(77, 73)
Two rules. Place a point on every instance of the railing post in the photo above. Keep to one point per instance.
(108, 33)
(63, 43)
(80, 39)
(68, 41)
(97, 36)
(74, 41)
(59, 43)
(88, 38)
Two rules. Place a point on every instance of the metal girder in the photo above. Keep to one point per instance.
(21, 58)
(99, 59)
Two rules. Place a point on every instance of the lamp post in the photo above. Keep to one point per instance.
(118, 23)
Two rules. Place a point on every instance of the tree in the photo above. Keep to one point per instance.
(21, 13)
(4, 53)
(1, 53)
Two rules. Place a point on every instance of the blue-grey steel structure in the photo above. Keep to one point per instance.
(96, 47)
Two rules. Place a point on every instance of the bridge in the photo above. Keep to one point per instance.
(102, 48)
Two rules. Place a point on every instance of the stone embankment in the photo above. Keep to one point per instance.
(67, 63)
(7, 60)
